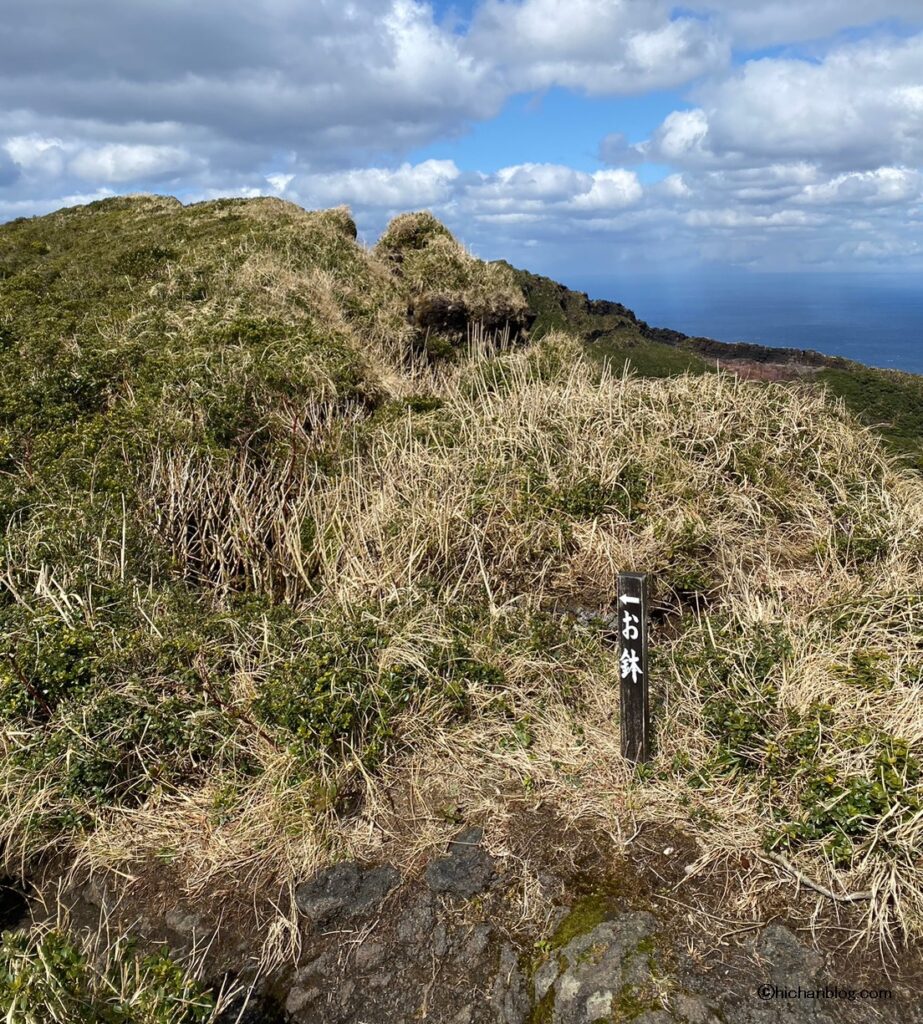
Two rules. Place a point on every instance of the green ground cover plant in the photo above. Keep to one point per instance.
(53, 977)
(272, 569)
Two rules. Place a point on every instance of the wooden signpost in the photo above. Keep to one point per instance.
(635, 719)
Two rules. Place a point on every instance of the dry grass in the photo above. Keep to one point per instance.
(58, 974)
(472, 505)
(449, 532)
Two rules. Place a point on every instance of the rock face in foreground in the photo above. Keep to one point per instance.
(439, 948)
(427, 965)
(423, 962)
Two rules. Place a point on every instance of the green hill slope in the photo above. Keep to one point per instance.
(309, 556)
(888, 400)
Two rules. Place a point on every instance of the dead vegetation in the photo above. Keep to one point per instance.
(291, 570)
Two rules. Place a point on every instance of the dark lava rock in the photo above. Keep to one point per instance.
(465, 870)
(509, 994)
(790, 962)
(450, 316)
(345, 890)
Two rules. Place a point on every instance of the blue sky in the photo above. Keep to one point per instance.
(556, 126)
(580, 138)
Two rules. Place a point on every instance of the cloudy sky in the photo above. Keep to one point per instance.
(571, 136)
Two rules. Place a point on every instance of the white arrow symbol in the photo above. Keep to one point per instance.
(625, 599)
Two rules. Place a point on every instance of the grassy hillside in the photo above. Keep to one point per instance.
(292, 539)
(888, 400)
(611, 331)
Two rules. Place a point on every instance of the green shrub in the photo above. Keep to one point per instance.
(112, 750)
(341, 694)
(45, 665)
(52, 978)
(737, 668)
(866, 669)
(144, 261)
(841, 812)
(590, 498)
(335, 696)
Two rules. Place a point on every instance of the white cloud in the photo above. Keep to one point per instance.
(735, 218)
(814, 155)
(330, 80)
(883, 187)
(543, 190)
(410, 185)
(674, 185)
(36, 154)
(681, 139)
(279, 182)
(771, 183)
(600, 46)
(609, 190)
(858, 108)
(768, 22)
(118, 162)
(529, 181)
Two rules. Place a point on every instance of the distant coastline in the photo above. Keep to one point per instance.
(872, 319)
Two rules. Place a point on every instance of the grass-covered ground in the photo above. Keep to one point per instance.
(278, 556)
(890, 401)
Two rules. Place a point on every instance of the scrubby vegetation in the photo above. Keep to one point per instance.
(272, 557)
(889, 401)
(50, 977)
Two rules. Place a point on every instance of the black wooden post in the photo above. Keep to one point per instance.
(632, 613)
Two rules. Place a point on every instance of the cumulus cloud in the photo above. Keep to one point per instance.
(338, 78)
(860, 107)
(36, 154)
(529, 182)
(600, 46)
(118, 162)
(883, 187)
(112, 163)
(769, 22)
(517, 193)
(609, 190)
(425, 184)
(533, 192)
(798, 147)
(773, 216)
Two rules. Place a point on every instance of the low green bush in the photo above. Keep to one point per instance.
(52, 978)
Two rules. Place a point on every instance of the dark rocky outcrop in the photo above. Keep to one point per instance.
(451, 316)
(345, 891)
(465, 870)
(445, 946)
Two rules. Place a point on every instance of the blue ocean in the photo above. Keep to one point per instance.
(873, 318)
